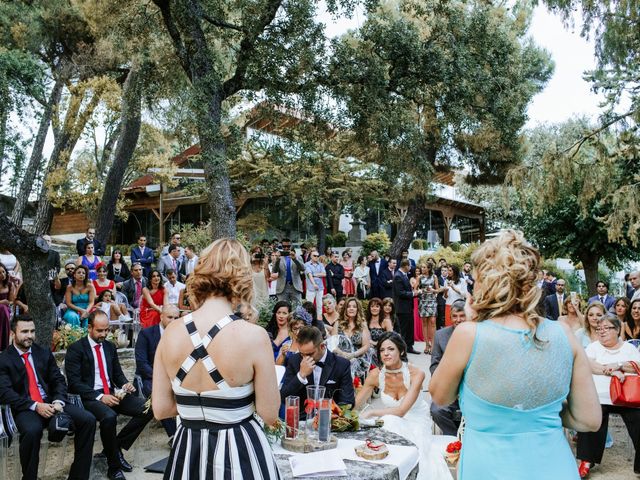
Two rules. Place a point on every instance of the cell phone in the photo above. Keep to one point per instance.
(574, 297)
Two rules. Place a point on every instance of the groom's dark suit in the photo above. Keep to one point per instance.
(335, 377)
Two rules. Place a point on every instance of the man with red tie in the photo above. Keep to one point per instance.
(31, 383)
(94, 372)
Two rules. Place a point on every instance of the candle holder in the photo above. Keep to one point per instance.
(292, 417)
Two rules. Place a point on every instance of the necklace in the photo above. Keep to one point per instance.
(394, 370)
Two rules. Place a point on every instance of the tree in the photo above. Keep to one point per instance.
(561, 204)
(429, 86)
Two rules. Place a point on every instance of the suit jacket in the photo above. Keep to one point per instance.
(376, 287)
(14, 387)
(440, 341)
(335, 275)
(145, 259)
(98, 248)
(129, 289)
(297, 269)
(53, 261)
(80, 368)
(609, 301)
(551, 306)
(145, 351)
(402, 293)
(335, 376)
(166, 263)
(385, 279)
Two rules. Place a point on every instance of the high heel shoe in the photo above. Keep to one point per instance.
(583, 469)
(427, 349)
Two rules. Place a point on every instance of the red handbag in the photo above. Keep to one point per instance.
(627, 393)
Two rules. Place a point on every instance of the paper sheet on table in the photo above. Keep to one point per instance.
(403, 457)
(280, 371)
(326, 463)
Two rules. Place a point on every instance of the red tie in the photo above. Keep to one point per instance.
(34, 392)
(103, 376)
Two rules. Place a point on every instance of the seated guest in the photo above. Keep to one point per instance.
(299, 319)
(102, 283)
(8, 292)
(354, 338)
(315, 322)
(446, 417)
(172, 288)
(94, 373)
(133, 287)
(117, 269)
(32, 385)
(632, 325)
(315, 365)
(152, 300)
(277, 328)
(79, 297)
(115, 311)
(90, 260)
(146, 345)
(59, 285)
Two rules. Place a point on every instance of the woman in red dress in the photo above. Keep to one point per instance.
(102, 283)
(348, 283)
(152, 298)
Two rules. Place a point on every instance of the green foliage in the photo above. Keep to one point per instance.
(197, 235)
(419, 244)
(265, 311)
(339, 239)
(456, 257)
(378, 241)
(328, 240)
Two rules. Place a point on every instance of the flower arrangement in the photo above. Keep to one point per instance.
(119, 338)
(452, 454)
(65, 336)
(343, 418)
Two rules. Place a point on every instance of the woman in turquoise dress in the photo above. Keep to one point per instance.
(515, 404)
(79, 297)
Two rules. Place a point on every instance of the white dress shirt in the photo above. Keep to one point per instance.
(191, 264)
(33, 367)
(173, 291)
(97, 381)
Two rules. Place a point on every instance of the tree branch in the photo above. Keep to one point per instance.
(222, 24)
(577, 145)
(174, 33)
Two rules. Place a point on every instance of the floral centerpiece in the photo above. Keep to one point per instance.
(65, 336)
(343, 418)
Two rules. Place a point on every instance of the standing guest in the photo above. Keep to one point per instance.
(79, 297)
(353, 326)
(142, 255)
(603, 296)
(632, 328)
(456, 290)
(305, 253)
(117, 269)
(261, 274)
(418, 335)
(94, 372)
(316, 365)
(335, 276)
(191, 260)
(348, 283)
(442, 264)
(428, 304)
(152, 300)
(172, 289)
(288, 267)
(447, 417)
(592, 317)
(441, 299)
(53, 258)
(90, 261)
(549, 283)
(81, 244)
(7, 297)
(59, 285)
(240, 382)
(278, 326)
(468, 278)
(133, 287)
(273, 277)
(513, 409)
(553, 303)
(620, 309)
(145, 352)
(32, 385)
(175, 240)
(634, 282)
(571, 315)
(403, 296)
(311, 319)
(377, 326)
(106, 303)
(630, 290)
(331, 315)
(102, 283)
(362, 279)
(376, 266)
(291, 347)
(315, 273)
(172, 261)
(405, 255)
(609, 357)
(385, 279)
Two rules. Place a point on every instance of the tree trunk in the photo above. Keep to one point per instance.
(590, 266)
(5, 106)
(407, 227)
(127, 141)
(32, 253)
(35, 160)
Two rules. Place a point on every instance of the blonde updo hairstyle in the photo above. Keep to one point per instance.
(506, 271)
(223, 270)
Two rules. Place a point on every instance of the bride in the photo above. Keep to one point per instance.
(404, 412)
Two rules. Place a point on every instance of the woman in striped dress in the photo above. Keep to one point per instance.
(215, 370)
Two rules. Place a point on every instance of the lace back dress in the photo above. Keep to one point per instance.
(511, 403)
(218, 436)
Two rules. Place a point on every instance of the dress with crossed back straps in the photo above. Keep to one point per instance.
(218, 436)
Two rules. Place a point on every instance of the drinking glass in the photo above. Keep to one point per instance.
(314, 394)
(292, 416)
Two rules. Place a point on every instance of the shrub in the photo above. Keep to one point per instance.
(456, 257)
(419, 244)
(339, 239)
(376, 241)
(328, 240)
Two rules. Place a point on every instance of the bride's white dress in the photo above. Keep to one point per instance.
(415, 426)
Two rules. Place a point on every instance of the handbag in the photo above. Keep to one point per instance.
(627, 393)
(60, 425)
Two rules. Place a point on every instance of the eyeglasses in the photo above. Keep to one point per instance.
(315, 255)
(604, 329)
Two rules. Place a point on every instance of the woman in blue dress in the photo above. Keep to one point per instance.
(520, 378)
(79, 297)
(90, 261)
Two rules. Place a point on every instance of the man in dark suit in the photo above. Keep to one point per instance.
(441, 301)
(376, 266)
(315, 365)
(132, 288)
(98, 248)
(145, 351)
(94, 372)
(405, 254)
(603, 296)
(403, 299)
(385, 279)
(32, 385)
(446, 417)
(553, 303)
(142, 255)
(335, 275)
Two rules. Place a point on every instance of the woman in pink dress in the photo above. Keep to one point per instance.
(7, 296)
(348, 283)
(417, 323)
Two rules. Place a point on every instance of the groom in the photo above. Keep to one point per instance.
(315, 365)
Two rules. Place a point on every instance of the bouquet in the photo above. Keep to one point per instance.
(452, 454)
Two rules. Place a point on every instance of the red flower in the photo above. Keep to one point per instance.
(309, 405)
(454, 447)
(356, 382)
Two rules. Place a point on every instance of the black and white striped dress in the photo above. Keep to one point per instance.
(218, 437)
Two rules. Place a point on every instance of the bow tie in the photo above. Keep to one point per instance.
(320, 364)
